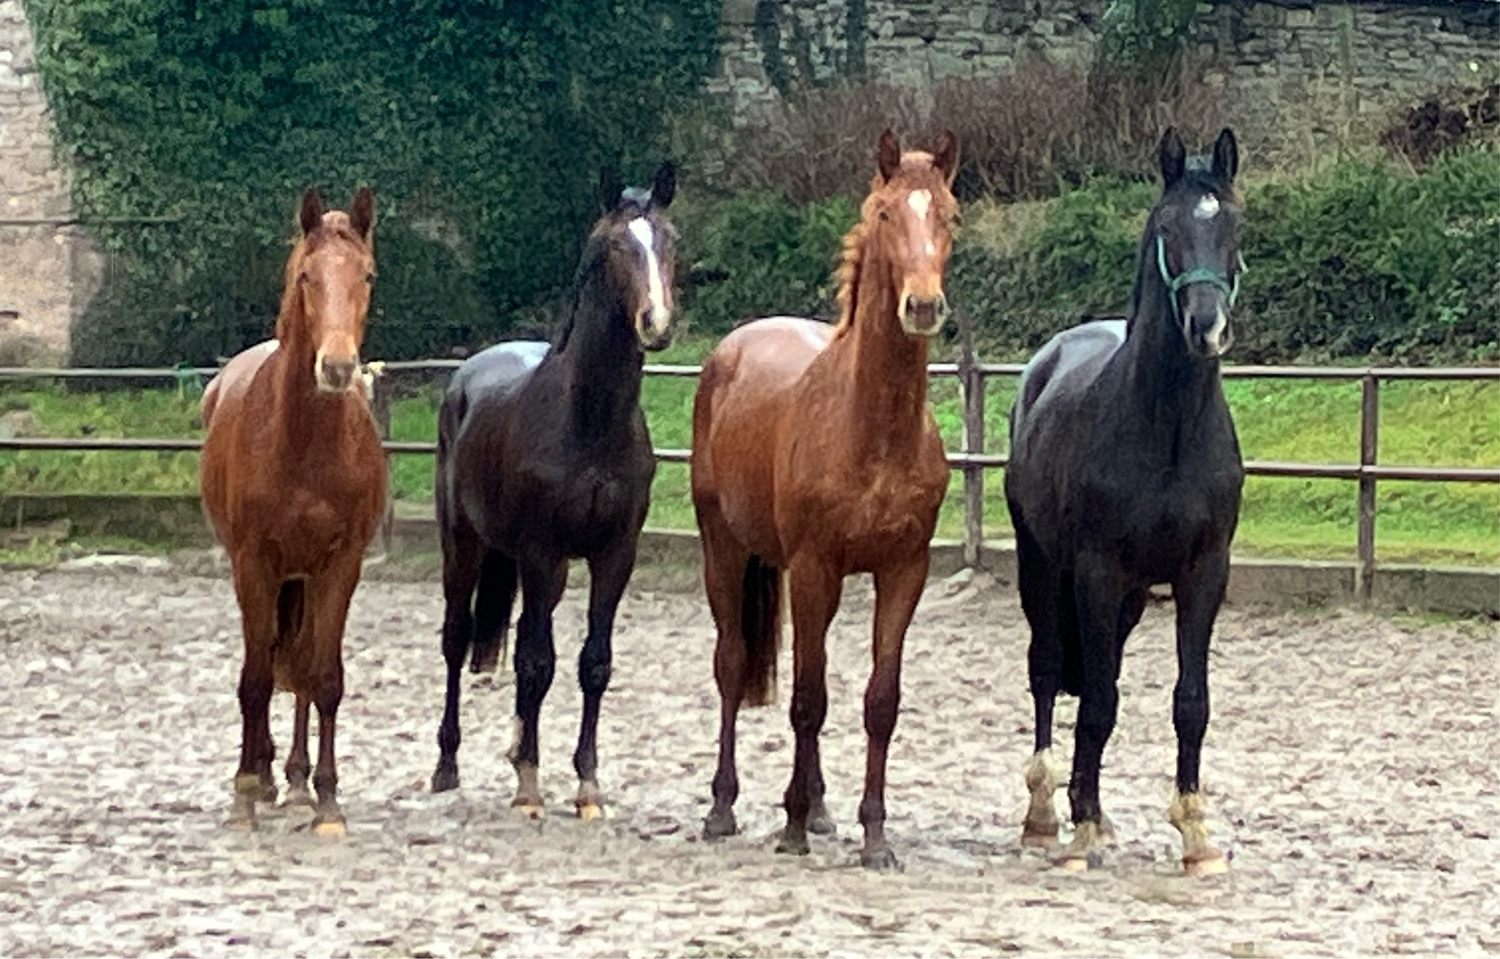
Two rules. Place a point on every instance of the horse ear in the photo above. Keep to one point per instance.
(1173, 158)
(888, 154)
(362, 212)
(610, 188)
(310, 216)
(945, 157)
(1226, 155)
(664, 187)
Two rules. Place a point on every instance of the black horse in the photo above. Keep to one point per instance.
(543, 455)
(1125, 472)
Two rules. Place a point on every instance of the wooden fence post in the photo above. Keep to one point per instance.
(971, 391)
(1369, 442)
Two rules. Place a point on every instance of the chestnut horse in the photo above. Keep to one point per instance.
(815, 454)
(543, 455)
(293, 482)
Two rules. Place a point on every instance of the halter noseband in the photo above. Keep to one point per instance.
(1198, 274)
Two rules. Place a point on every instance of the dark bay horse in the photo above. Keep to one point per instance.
(293, 482)
(1125, 472)
(815, 454)
(543, 455)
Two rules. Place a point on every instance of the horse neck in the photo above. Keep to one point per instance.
(889, 398)
(603, 359)
(308, 415)
(1171, 387)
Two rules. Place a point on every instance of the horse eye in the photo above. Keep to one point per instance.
(370, 277)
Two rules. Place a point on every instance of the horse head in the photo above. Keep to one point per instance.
(329, 277)
(1193, 240)
(910, 211)
(638, 244)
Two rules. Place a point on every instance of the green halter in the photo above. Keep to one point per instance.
(1198, 274)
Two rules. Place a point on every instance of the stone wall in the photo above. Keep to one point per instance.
(1270, 55)
(36, 259)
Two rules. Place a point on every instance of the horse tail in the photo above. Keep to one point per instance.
(290, 603)
(760, 627)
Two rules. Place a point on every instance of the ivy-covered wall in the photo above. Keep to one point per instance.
(480, 123)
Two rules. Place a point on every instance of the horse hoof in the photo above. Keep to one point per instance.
(530, 808)
(1038, 837)
(444, 779)
(299, 795)
(793, 845)
(879, 859)
(330, 827)
(589, 811)
(821, 824)
(1081, 863)
(718, 825)
(1211, 866)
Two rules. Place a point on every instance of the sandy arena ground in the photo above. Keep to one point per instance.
(1352, 770)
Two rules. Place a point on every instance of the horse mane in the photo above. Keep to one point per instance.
(335, 225)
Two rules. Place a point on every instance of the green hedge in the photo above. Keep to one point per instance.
(1357, 260)
(481, 124)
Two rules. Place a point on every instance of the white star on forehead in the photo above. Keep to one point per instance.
(1207, 208)
(920, 201)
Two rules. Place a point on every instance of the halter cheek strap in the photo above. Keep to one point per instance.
(1198, 274)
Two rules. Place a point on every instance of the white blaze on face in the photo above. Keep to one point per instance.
(641, 230)
(1215, 337)
(1207, 208)
(920, 202)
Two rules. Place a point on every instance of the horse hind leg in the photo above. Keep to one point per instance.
(461, 565)
(1048, 612)
(492, 606)
(744, 595)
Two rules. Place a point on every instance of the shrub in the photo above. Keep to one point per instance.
(753, 254)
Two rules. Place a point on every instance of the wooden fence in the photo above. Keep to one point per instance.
(970, 458)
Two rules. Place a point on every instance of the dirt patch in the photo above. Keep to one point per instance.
(1350, 769)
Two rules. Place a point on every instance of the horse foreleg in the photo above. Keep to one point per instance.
(329, 595)
(897, 590)
(252, 782)
(724, 572)
(542, 584)
(608, 575)
(1198, 595)
(461, 559)
(815, 592)
(298, 765)
(1098, 590)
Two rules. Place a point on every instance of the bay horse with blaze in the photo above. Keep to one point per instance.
(1125, 472)
(543, 455)
(293, 482)
(815, 454)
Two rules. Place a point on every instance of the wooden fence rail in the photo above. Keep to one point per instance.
(970, 459)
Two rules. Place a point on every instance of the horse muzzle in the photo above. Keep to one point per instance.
(923, 315)
(1208, 334)
(334, 375)
(653, 327)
